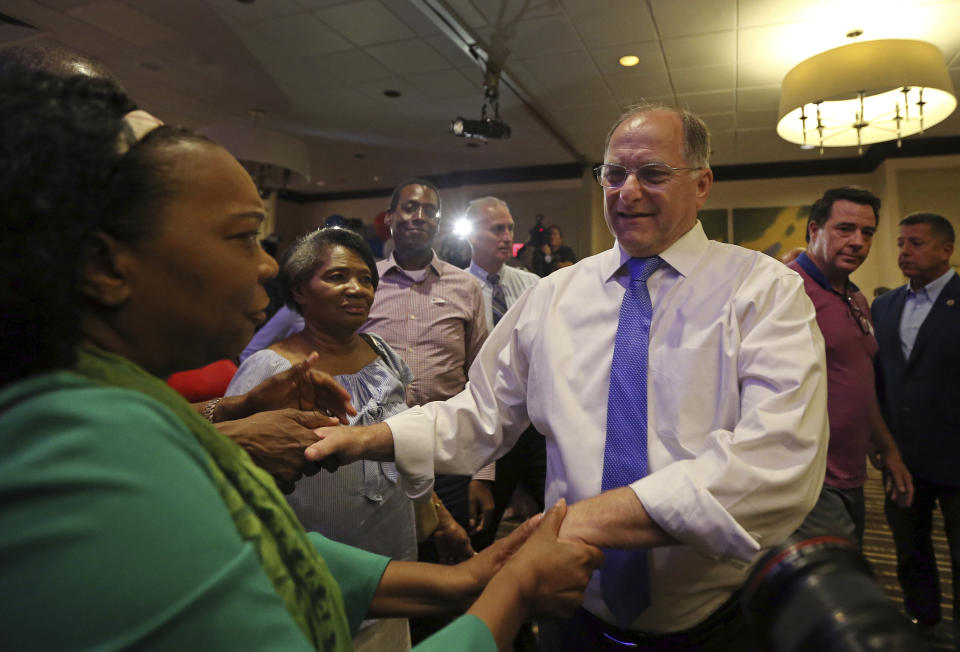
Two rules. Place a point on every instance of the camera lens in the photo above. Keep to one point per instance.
(819, 595)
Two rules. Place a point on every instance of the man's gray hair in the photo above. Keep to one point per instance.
(696, 136)
(476, 204)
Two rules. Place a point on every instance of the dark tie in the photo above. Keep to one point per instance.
(624, 582)
(499, 302)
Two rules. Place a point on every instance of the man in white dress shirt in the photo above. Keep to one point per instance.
(491, 239)
(736, 400)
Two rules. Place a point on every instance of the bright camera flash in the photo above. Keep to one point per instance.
(462, 227)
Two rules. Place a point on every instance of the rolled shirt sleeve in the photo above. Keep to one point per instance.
(737, 489)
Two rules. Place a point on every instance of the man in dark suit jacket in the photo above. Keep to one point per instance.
(918, 374)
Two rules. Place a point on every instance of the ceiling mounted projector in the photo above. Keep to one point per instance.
(484, 129)
(488, 126)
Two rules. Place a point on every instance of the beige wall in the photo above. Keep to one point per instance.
(803, 191)
(561, 202)
(904, 185)
(932, 190)
(558, 202)
(293, 220)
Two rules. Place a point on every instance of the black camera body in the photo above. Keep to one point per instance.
(538, 234)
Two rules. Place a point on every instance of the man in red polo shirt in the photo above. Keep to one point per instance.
(839, 232)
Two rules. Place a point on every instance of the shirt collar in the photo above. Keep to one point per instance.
(481, 273)
(682, 255)
(817, 275)
(934, 287)
(393, 265)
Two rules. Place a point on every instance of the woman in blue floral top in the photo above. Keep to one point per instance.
(330, 277)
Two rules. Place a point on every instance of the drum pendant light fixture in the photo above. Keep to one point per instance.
(865, 92)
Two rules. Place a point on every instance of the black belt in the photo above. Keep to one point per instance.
(727, 613)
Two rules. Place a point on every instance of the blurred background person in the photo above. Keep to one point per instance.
(840, 233)
(455, 249)
(918, 372)
(553, 254)
(525, 465)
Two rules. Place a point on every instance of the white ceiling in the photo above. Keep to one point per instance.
(318, 69)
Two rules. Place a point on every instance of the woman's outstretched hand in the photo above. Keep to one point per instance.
(302, 387)
(275, 441)
(545, 577)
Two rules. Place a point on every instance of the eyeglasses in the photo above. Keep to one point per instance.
(412, 207)
(859, 317)
(610, 175)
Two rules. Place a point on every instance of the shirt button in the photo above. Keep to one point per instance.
(413, 316)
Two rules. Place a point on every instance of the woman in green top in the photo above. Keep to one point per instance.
(130, 252)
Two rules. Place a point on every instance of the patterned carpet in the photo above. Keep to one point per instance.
(879, 551)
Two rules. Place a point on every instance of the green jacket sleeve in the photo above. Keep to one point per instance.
(112, 534)
(357, 571)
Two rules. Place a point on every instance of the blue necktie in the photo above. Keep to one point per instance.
(623, 579)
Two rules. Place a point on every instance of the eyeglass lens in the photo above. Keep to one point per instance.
(652, 174)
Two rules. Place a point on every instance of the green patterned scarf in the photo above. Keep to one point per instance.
(259, 511)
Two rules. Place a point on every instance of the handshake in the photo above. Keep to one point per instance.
(530, 573)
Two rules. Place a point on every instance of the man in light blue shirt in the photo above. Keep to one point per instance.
(525, 464)
(492, 241)
(918, 383)
(917, 306)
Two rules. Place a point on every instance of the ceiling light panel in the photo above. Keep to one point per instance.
(707, 78)
(302, 34)
(124, 21)
(365, 23)
(537, 37)
(408, 57)
(629, 89)
(602, 23)
(758, 98)
(696, 51)
(444, 84)
(715, 102)
(256, 11)
(687, 17)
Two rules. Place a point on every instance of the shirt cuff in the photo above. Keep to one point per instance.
(413, 452)
(489, 472)
(693, 516)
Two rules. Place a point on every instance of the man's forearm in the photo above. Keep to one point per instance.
(340, 445)
(614, 519)
(377, 441)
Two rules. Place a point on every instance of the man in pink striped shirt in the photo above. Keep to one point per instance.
(432, 314)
